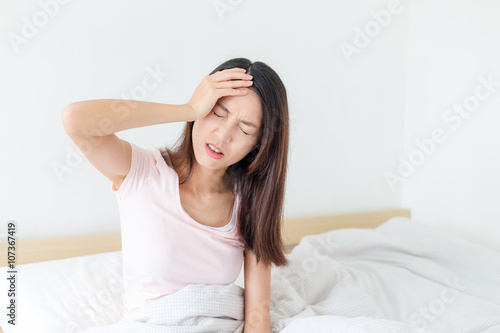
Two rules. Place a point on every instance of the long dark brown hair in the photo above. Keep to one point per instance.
(260, 176)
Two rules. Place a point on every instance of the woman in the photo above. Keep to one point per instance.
(175, 204)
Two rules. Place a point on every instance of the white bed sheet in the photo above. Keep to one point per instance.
(403, 276)
(401, 273)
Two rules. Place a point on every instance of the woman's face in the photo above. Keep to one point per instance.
(226, 128)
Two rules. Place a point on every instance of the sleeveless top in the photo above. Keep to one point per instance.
(163, 248)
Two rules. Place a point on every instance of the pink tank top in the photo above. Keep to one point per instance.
(163, 248)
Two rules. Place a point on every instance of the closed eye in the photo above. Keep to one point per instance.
(222, 117)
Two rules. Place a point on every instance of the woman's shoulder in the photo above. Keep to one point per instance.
(166, 157)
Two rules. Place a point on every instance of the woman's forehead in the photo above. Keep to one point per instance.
(247, 106)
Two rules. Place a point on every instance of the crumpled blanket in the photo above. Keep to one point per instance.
(194, 308)
(401, 277)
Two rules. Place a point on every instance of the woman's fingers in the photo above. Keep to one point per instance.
(232, 78)
(233, 84)
(231, 74)
(228, 82)
(232, 92)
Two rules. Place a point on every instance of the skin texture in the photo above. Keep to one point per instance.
(112, 156)
(257, 295)
(207, 180)
(226, 132)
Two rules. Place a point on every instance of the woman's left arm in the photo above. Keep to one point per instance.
(257, 295)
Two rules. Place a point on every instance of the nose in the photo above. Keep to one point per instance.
(223, 133)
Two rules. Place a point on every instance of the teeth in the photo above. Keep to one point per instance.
(214, 149)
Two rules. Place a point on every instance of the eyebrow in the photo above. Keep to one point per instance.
(243, 121)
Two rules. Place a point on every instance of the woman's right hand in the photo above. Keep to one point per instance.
(218, 85)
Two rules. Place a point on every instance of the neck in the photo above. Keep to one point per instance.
(207, 182)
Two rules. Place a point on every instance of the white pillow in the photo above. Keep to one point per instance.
(68, 295)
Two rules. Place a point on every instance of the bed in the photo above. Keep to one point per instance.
(376, 271)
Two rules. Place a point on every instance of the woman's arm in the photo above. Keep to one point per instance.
(257, 295)
(101, 117)
(91, 125)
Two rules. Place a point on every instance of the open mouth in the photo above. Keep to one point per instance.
(212, 151)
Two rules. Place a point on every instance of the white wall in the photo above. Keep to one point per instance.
(452, 45)
(348, 111)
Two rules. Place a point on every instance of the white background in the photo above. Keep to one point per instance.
(354, 116)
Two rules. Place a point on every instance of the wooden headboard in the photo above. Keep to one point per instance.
(36, 250)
